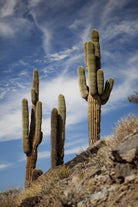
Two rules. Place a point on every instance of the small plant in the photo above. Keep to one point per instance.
(52, 184)
(133, 98)
(62, 172)
(72, 197)
(100, 158)
(46, 188)
(125, 126)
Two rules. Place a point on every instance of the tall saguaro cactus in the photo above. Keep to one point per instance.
(96, 94)
(31, 139)
(58, 120)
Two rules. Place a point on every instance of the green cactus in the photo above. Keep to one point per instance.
(31, 139)
(54, 137)
(58, 121)
(96, 94)
(61, 127)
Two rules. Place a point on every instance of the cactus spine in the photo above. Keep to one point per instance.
(58, 120)
(31, 139)
(96, 94)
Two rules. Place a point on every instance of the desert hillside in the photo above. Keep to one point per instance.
(103, 175)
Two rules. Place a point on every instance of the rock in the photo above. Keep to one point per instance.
(31, 201)
(75, 179)
(102, 195)
(123, 170)
(96, 146)
(130, 179)
(96, 172)
(127, 149)
(80, 204)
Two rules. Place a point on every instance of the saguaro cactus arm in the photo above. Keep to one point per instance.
(25, 127)
(100, 81)
(108, 88)
(62, 117)
(58, 121)
(91, 61)
(95, 40)
(61, 127)
(54, 137)
(82, 82)
(38, 122)
(36, 83)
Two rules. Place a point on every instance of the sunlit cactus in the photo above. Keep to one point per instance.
(54, 137)
(96, 94)
(31, 139)
(58, 121)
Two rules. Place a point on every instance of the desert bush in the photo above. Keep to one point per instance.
(125, 126)
(62, 172)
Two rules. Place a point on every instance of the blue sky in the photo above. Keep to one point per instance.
(49, 35)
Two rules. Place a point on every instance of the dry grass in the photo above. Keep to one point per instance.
(124, 127)
(9, 198)
(49, 186)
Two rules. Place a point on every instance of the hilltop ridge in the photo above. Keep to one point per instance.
(104, 175)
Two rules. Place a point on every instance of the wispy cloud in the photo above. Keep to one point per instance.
(62, 54)
(6, 30)
(12, 23)
(3, 166)
(73, 150)
(7, 9)
(44, 154)
(46, 31)
(76, 150)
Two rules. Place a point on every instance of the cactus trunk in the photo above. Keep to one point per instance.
(28, 171)
(94, 117)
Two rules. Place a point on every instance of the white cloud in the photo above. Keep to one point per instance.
(8, 8)
(44, 154)
(3, 166)
(6, 30)
(111, 6)
(116, 28)
(85, 35)
(46, 32)
(62, 54)
(33, 3)
(76, 150)
(73, 150)
(13, 27)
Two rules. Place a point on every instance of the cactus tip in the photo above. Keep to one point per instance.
(94, 35)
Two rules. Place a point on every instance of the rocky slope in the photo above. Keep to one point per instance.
(105, 175)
